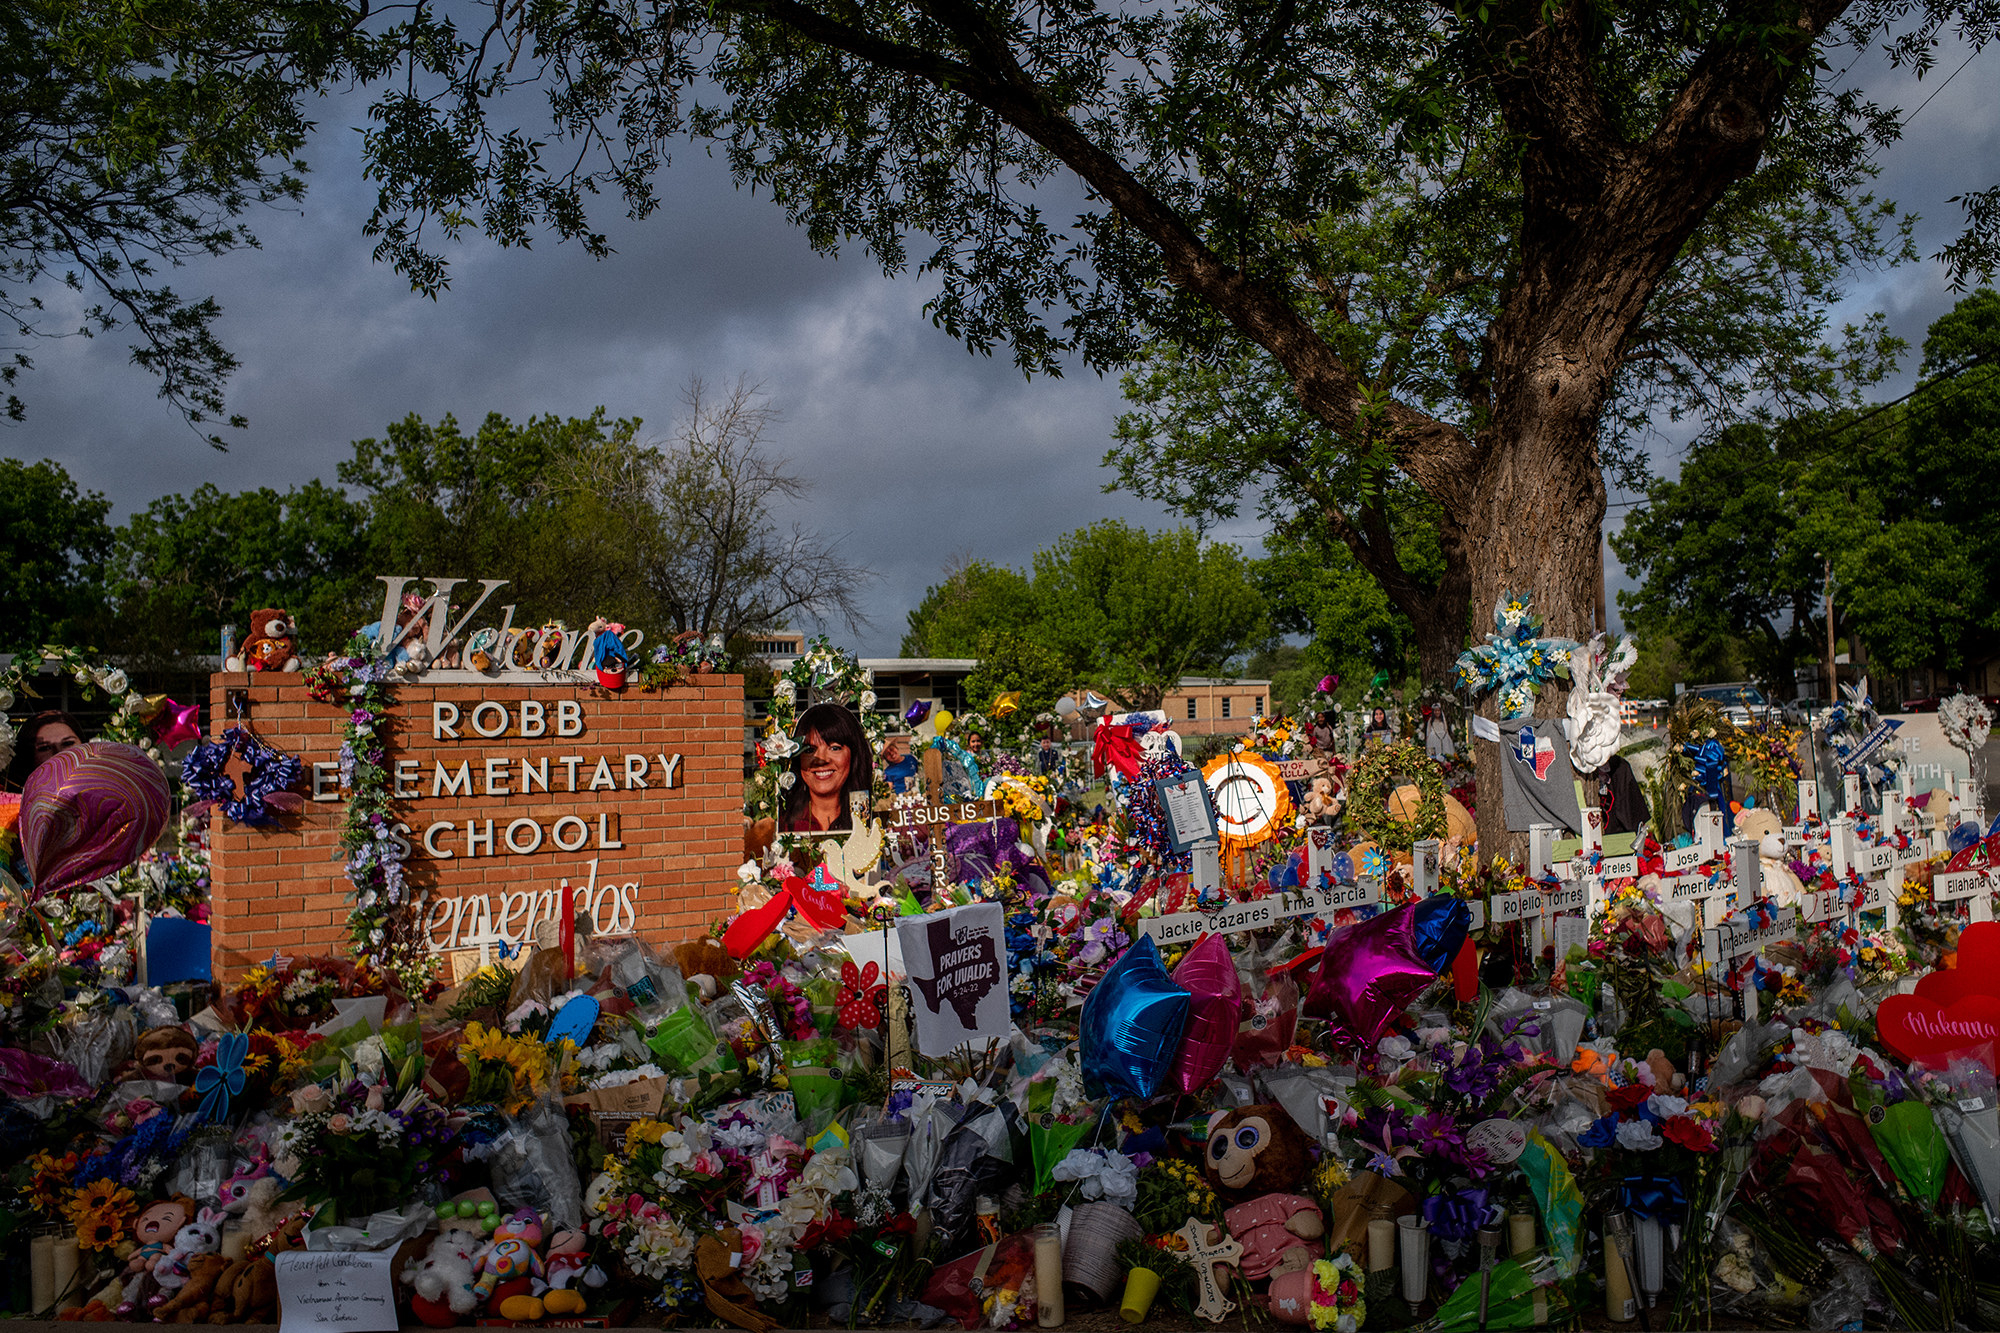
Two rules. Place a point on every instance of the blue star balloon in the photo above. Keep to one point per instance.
(1133, 1021)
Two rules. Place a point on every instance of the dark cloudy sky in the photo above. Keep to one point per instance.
(918, 450)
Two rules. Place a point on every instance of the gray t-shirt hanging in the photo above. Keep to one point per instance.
(1536, 777)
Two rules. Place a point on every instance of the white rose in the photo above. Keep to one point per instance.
(786, 691)
(114, 681)
(779, 747)
(786, 779)
(867, 700)
(6, 698)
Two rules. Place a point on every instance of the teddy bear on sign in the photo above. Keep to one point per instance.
(271, 644)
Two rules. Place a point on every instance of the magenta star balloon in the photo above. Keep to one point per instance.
(177, 723)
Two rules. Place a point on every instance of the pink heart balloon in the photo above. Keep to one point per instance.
(88, 812)
(1208, 974)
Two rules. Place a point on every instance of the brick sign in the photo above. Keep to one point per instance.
(503, 792)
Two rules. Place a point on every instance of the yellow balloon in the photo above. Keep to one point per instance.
(941, 719)
(1003, 704)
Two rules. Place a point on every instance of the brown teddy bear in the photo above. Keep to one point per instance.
(196, 1299)
(706, 964)
(1255, 1150)
(246, 1293)
(271, 644)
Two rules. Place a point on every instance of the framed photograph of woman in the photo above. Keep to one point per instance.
(831, 759)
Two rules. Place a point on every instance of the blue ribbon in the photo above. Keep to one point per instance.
(1659, 1198)
(1711, 766)
(222, 1080)
(1458, 1216)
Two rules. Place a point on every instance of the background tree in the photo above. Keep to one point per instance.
(696, 518)
(53, 544)
(973, 600)
(1716, 560)
(187, 565)
(1735, 552)
(1133, 611)
(1012, 660)
(441, 502)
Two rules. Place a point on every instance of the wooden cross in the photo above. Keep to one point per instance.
(238, 771)
(1205, 1255)
(936, 818)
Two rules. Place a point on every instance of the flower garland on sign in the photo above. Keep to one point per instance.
(1368, 794)
(821, 674)
(1514, 660)
(385, 922)
(130, 710)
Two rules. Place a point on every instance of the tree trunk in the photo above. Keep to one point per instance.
(1535, 521)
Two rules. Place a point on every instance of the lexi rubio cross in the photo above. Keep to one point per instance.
(504, 786)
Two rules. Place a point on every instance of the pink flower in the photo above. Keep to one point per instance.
(1751, 1108)
(338, 1124)
(753, 1243)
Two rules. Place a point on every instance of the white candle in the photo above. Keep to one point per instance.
(1381, 1244)
(42, 1272)
(1048, 1275)
(65, 1256)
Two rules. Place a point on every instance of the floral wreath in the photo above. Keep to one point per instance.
(271, 774)
(821, 674)
(130, 711)
(1247, 766)
(1368, 794)
(1965, 720)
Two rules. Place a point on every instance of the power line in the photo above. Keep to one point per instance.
(1833, 439)
(1940, 88)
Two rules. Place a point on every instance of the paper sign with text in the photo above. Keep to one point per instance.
(332, 1290)
(957, 963)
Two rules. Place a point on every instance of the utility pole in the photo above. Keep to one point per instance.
(1832, 673)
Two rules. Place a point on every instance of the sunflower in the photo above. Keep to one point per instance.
(98, 1194)
(98, 1228)
(99, 1212)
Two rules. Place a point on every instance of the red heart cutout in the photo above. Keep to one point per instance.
(1977, 971)
(822, 899)
(753, 927)
(1919, 1029)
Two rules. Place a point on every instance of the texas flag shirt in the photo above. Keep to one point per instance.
(1538, 784)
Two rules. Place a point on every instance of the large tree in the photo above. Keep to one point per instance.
(1533, 170)
(133, 137)
(186, 565)
(974, 599)
(1133, 611)
(583, 517)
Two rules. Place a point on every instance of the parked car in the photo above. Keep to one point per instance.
(1740, 701)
